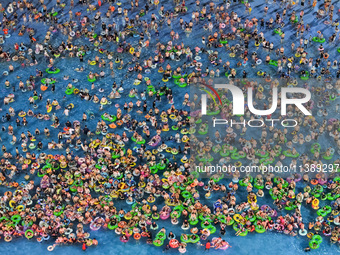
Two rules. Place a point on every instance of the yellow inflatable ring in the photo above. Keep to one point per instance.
(310, 235)
(27, 161)
(132, 50)
(20, 208)
(185, 140)
(123, 160)
(92, 63)
(172, 116)
(335, 212)
(142, 184)
(12, 203)
(237, 217)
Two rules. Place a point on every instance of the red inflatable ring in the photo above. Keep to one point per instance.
(173, 243)
(137, 236)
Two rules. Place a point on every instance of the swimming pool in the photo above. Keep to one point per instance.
(108, 240)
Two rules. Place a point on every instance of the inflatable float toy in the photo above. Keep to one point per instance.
(273, 62)
(319, 40)
(239, 231)
(48, 70)
(91, 80)
(194, 238)
(110, 118)
(305, 77)
(315, 242)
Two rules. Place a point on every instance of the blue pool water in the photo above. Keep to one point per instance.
(108, 241)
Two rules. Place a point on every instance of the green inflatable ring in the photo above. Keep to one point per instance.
(260, 229)
(29, 231)
(69, 91)
(52, 72)
(111, 227)
(91, 80)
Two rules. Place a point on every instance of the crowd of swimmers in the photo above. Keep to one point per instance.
(141, 151)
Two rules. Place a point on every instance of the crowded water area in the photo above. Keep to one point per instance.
(115, 137)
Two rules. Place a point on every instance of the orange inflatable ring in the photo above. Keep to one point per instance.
(122, 224)
(144, 234)
(119, 122)
(43, 88)
(216, 187)
(137, 236)
(194, 230)
(314, 182)
(8, 194)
